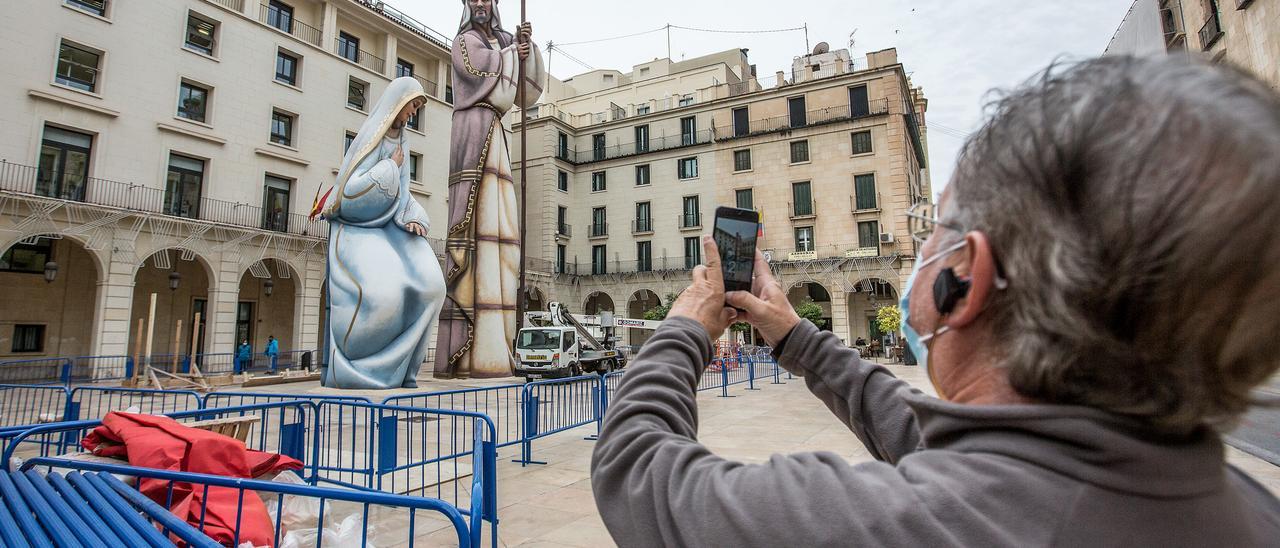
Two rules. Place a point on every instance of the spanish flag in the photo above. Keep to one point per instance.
(317, 205)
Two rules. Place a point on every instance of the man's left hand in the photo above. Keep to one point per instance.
(703, 300)
(415, 228)
(524, 33)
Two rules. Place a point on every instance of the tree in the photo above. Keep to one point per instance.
(889, 319)
(659, 313)
(811, 311)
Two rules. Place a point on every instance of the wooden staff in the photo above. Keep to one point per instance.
(151, 330)
(524, 174)
(137, 350)
(177, 346)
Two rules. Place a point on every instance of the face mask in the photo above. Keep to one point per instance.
(920, 345)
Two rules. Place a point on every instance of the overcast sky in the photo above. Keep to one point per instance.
(956, 50)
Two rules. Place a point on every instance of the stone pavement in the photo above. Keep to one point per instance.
(552, 504)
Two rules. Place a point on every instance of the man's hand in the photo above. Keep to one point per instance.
(415, 228)
(524, 35)
(766, 306)
(703, 300)
(398, 157)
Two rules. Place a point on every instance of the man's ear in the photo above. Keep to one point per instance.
(979, 268)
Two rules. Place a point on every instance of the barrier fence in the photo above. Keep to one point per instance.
(88, 369)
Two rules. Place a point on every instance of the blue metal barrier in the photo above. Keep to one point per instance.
(91, 402)
(36, 371)
(101, 368)
(556, 405)
(503, 404)
(23, 405)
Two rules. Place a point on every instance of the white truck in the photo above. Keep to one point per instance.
(559, 344)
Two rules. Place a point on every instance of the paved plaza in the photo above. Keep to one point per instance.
(552, 504)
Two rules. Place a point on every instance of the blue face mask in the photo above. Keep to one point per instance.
(920, 345)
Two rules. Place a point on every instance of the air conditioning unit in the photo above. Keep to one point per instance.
(886, 238)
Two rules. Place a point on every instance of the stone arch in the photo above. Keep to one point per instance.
(536, 300)
(40, 318)
(596, 302)
(196, 283)
(637, 304)
(805, 290)
(101, 262)
(866, 298)
(269, 302)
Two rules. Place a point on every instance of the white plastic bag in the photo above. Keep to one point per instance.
(300, 515)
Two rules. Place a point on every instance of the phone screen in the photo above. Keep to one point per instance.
(736, 238)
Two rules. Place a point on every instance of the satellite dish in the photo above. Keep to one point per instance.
(821, 48)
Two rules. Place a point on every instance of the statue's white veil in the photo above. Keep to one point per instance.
(495, 20)
(398, 94)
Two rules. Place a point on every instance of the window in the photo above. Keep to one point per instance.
(560, 253)
(77, 67)
(795, 106)
(348, 47)
(688, 130)
(799, 152)
(642, 109)
(414, 121)
(597, 146)
(562, 146)
(690, 216)
(403, 68)
(864, 189)
(356, 92)
(200, 34)
(598, 182)
(862, 142)
(599, 257)
(644, 218)
(802, 199)
(692, 252)
(64, 164)
(562, 181)
(183, 185)
(804, 238)
(347, 140)
(642, 138)
(687, 168)
(869, 234)
(742, 160)
(741, 126)
(642, 175)
(858, 104)
(286, 68)
(192, 101)
(562, 226)
(644, 256)
(275, 204)
(96, 7)
(415, 160)
(599, 222)
(744, 198)
(281, 128)
(686, 100)
(28, 338)
(27, 258)
(280, 15)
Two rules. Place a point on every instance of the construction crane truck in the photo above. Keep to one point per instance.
(559, 344)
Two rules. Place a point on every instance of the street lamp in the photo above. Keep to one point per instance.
(174, 280)
(50, 271)
(268, 286)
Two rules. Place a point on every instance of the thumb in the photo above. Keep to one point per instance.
(746, 301)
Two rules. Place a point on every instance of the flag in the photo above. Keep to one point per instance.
(317, 205)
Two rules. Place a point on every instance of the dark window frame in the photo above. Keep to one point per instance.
(280, 16)
(741, 126)
(865, 199)
(751, 198)
(642, 138)
(212, 48)
(93, 7)
(288, 120)
(854, 140)
(71, 81)
(875, 234)
(562, 180)
(859, 101)
(185, 88)
(294, 61)
(359, 90)
(799, 154)
(599, 181)
(174, 197)
(647, 178)
(738, 165)
(21, 340)
(811, 246)
(44, 247)
(687, 168)
(797, 117)
(348, 47)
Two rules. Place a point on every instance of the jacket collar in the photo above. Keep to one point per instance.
(1110, 451)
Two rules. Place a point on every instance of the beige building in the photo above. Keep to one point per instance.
(1245, 33)
(625, 171)
(174, 148)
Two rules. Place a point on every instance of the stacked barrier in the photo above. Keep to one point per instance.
(89, 369)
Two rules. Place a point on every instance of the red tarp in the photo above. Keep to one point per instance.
(151, 441)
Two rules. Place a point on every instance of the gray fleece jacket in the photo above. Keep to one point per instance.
(945, 475)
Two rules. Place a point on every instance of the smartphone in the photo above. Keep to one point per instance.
(735, 233)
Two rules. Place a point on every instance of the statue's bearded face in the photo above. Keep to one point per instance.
(481, 11)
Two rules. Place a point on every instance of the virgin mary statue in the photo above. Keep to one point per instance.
(385, 284)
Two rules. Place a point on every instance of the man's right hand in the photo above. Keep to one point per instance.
(398, 157)
(766, 307)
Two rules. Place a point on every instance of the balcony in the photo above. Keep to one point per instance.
(598, 230)
(25, 180)
(563, 229)
(1211, 32)
(288, 24)
(802, 210)
(233, 5)
(361, 57)
(654, 144)
(432, 88)
(690, 221)
(642, 226)
(865, 205)
(654, 264)
(816, 117)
